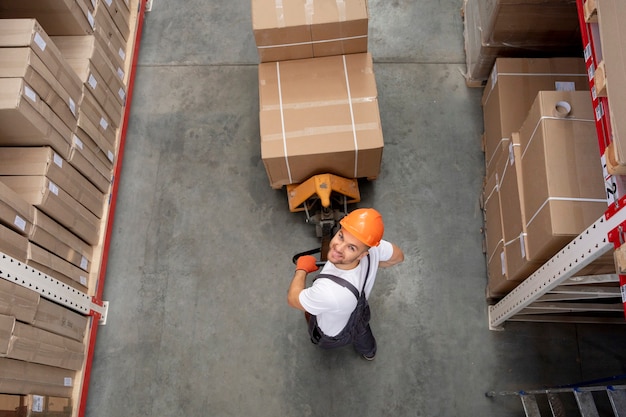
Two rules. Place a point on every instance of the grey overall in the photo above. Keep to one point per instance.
(357, 331)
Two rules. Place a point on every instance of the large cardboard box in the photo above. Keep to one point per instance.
(18, 301)
(58, 204)
(58, 17)
(31, 344)
(25, 120)
(55, 238)
(518, 28)
(305, 29)
(44, 161)
(13, 244)
(512, 88)
(563, 185)
(60, 320)
(319, 115)
(15, 212)
(19, 377)
(24, 63)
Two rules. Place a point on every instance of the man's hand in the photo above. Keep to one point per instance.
(307, 264)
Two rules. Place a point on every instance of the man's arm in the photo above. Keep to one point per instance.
(396, 257)
(297, 285)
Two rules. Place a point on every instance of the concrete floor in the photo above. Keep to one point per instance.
(201, 253)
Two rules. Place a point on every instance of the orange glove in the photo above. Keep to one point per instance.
(307, 264)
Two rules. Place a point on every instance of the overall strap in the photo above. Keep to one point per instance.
(346, 284)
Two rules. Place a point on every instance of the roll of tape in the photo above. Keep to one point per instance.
(562, 109)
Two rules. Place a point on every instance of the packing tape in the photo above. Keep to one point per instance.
(309, 10)
(356, 144)
(541, 119)
(282, 121)
(583, 200)
(283, 45)
(280, 13)
(341, 10)
(562, 109)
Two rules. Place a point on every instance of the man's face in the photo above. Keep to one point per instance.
(345, 250)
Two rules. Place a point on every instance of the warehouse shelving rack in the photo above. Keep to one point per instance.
(554, 293)
(50, 288)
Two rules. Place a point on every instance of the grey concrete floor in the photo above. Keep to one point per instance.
(201, 252)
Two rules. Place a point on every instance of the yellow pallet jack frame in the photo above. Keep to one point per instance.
(322, 186)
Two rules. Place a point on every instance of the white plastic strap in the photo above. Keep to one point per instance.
(280, 14)
(282, 120)
(549, 118)
(283, 45)
(356, 144)
(584, 200)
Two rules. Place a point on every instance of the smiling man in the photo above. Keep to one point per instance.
(336, 304)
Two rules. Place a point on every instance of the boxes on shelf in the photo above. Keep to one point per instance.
(60, 320)
(58, 17)
(494, 243)
(48, 406)
(19, 377)
(44, 161)
(109, 35)
(25, 120)
(517, 28)
(119, 12)
(84, 159)
(15, 212)
(13, 244)
(319, 115)
(56, 267)
(58, 204)
(512, 88)
(18, 301)
(302, 29)
(31, 344)
(24, 63)
(563, 185)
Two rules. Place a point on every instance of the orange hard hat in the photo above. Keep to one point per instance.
(365, 224)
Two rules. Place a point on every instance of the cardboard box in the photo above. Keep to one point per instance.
(16, 33)
(89, 164)
(55, 238)
(95, 123)
(107, 32)
(89, 47)
(60, 320)
(119, 12)
(44, 161)
(517, 28)
(31, 344)
(513, 86)
(55, 202)
(48, 406)
(12, 406)
(306, 29)
(15, 212)
(56, 267)
(58, 17)
(25, 120)
(24, 63)
(319, 115)
(563, 184)
(13, 244)
(611, 15)
(19, 377)
(18, 301)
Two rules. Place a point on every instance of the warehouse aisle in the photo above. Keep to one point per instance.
(201, 254)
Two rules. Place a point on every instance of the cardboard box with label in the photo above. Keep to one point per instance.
(319, 115)
(512, 88)
(57, 17)
(109, 35)
(305, 29)
(563, 185)
(60, 320)
(56, 267)
(15, 212)
(89, 164)
(47, 406)
(13, 244)
(19, 377)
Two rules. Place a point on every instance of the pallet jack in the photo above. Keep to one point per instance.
(324, 198)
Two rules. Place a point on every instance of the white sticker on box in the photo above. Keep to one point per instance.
(623, 291)
(67, 381)
(92, 21)
(40, 42)
(77, 141)
(522, 244)
(503, 262)
(20, 223)
(565, 86)
(38, 401)
(103, 123)
(72, 105)
(120, 73)
(54, 188)
(83, 280)
(84, 263)
(57, 160)
(92, 81)
(122, 93)
(30, 93)
(122, 54)
(111, 156)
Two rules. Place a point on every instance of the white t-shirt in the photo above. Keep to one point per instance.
(332, 303)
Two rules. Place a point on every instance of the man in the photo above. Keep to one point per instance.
(336, 305)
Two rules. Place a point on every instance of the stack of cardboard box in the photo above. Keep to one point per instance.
(63, 85)
(544, 182)
(317, 91)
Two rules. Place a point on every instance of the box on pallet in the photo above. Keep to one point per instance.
(24, 63)
(319, 115)
(563, 185)
(512, 88)
(306, 29)
(25, 120)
